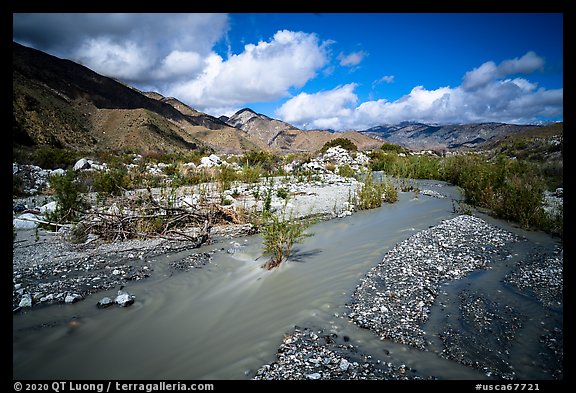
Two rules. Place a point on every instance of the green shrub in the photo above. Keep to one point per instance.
(263, 159)
(346, 171)
(385, 162)
(282, 193)
(510, 189)
(342, 142)
(267, 203)
(112, 182)
(391, 147)
(251, 174)
(68, 196)
(225, 176)
(389, 191)
(171, 170)
(52, 158)
(279, 237)
(372, 192)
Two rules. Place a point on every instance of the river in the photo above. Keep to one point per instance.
(225, 320)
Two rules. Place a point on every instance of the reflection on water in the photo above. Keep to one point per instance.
(227, 319)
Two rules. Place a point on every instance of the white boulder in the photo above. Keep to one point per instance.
(81, 164)
(26, 221)
(206, 162)
(26, 301)
(49, 207)
(124, 299)
(215, 159)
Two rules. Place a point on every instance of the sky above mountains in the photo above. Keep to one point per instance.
(336, 71)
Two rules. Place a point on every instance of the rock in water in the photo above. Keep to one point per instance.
(104, 302)
(124, 299)
(26, 301)
(72, 298)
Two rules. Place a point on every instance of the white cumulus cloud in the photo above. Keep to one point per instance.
(485, 95)
(325, 109)
(122, 60)
(489, 71)
(180, 63)
(262, 72)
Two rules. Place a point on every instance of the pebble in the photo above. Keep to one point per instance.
(542, 276)
(105, 302)
(72, 298)
(124, 299)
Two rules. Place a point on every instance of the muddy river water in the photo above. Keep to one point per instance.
(226, 319)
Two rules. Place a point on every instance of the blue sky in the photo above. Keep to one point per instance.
(338, 71)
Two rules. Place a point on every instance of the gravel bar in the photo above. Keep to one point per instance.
(311, 354)
(394, 298)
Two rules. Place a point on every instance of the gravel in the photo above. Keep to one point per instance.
(311, 354)
(395, 297)
(50, 270)
(484, 337)
(542, 276)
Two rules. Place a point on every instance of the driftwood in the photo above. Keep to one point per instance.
(147, 217)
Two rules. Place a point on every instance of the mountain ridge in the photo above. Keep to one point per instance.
(61, 103)
(421, 136)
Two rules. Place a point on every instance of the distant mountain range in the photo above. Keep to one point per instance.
(61, 103)
(418, 136)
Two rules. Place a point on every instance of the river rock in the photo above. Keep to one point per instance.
(205, 162)
(105, 302)
(124, 299)
(215, 159)
(23, 223)
(72, 298)
(26, 301)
